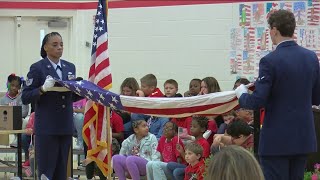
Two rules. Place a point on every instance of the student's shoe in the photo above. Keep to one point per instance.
(26, 164)
(15, 178)
(81, 168)
(14, 143)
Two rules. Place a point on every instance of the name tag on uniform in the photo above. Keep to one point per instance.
(29, 81)
(71, 76)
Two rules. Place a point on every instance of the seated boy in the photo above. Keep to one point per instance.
(156, 123)
(196, 167)
(198, 127)
(148, 89)
(171, 88)
(227, 119)
(238, 133)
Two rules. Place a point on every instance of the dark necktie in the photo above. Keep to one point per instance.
(59, 71)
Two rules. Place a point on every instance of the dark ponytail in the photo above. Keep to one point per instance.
(43, 53)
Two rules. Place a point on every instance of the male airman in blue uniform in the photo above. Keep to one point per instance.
(53, 111)
(288, 85)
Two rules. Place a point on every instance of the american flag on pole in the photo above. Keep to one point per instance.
(95, 121)
(209, 104)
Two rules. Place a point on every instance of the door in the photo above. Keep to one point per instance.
(7, 50)
(32, 32)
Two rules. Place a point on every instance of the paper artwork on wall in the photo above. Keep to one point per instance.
(313, 12)
(244, 15)
(248, 63)
(236, 62)
(286, 6)
(299, 10)
(262, 39)
(236, 39)
(233, 62)
(249, 38)
(308, 38)
(251, 41)
(258, 14)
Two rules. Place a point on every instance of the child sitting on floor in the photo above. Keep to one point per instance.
(167, 148)
(136, 151)
(198, 126)
(238, 133)
(196, 167)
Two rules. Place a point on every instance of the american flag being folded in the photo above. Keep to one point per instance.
(209, 104)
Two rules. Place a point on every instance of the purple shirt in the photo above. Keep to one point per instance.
(79, 104)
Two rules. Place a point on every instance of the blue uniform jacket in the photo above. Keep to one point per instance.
(54, 110)
(288, 85)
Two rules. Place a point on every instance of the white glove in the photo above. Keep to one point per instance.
(240, 90)
(49, 83)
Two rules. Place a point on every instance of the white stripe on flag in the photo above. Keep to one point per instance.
(102, 39)
(160, 103)
(213, 111)
(102, 74)
(102, 57)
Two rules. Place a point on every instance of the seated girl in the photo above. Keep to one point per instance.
(169, 153)
(136, 151)
(13, 98)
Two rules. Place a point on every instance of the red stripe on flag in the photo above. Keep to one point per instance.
(88, 115)
(102, 66)
(105, 81)
(92, 70)
(174, 111)
(101, 48)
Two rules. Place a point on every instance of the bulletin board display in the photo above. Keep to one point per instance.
(250, 40)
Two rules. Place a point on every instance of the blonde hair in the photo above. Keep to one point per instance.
(195, 148)
(234, 162)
